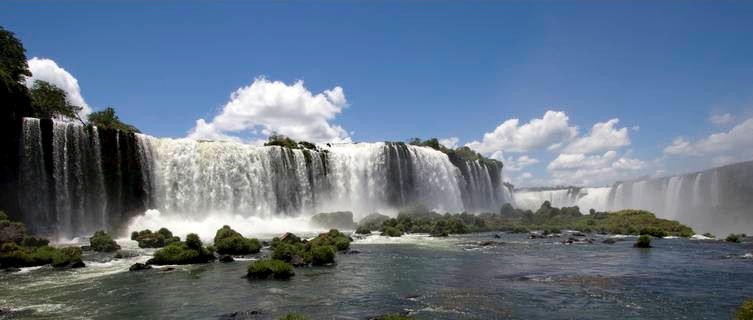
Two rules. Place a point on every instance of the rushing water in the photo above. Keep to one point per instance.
(430, 278)
(76, 179)
(585, 198)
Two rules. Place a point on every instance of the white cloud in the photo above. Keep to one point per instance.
(581, 169)
(451, 142)
(636, 128)
(512, 164)
(273, 106)
(603, 136)
(48, 70)
(678, 146)
(721, 118)
(733, 145)
(548, 131)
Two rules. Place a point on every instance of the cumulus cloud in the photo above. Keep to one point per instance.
(451, 142)
(48, 70)
(513, 164)
(733, 145)
(721, 118)
(603, 136)
(549, 131)
(582, 169)
(268, 106)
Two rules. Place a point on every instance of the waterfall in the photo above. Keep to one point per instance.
(585, 198)
(197, 178)
(65, 186)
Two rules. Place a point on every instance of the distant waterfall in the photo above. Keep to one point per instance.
(716, 200)
(75, 179)
(585, 198)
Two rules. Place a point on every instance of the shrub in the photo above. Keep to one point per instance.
(321, 255)
(391, 232)
(66, 257)
(746, 311)
(733, 238)
(102, 242)
(34, 242)
(148, 239)
(286, 252)
(332, 238)
(643, 241)
(188, 252)
(270, 268)
(363, 230)
(228, 241)
(709, 235)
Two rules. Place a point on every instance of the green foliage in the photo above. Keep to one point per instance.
(34, 242)
(49, 101)
(363, 230)
(276, 139)
(3, 216)
(108, 119)
(286, 252)
(229, 241)
(338, 219)
(462, 153)
(102, 242)
(644, 241)
(148, 239)
(13, 255)
(13, 70)
(736, 238)
(322, 254)
(270, 268)
(709, 235)
(189, 252)
(372, 222)
(391, 232)
(745, 312)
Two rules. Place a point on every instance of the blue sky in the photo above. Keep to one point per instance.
(424, 69)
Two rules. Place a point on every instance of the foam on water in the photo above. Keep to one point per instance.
(206, 225)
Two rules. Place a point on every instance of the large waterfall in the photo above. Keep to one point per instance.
(717, 200)
(75, 179)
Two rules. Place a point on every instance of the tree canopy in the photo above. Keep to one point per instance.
(49, 101)
(108, 119)
(13, 69)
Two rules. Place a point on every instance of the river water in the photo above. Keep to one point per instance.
(429, 278)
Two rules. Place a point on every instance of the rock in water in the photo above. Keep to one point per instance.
(609, 241)
(139, 267)
(226, 258)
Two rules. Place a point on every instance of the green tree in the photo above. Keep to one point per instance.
(108, 119)
(13, 70)
(49, 101)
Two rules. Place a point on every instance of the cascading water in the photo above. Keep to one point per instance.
(76, 179)
(585, 198)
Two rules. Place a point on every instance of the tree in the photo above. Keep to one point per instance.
(13, 69)
(108, 119)
(49, 101)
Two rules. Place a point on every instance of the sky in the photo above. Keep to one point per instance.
(564, 93)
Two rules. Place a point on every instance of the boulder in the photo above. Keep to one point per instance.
(139, 267)
(609, 241)
(496, 236)
(226, 258)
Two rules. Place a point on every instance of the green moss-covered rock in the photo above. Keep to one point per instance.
(391, 232)
(643, 241)
(103, 242)
(735, 238)
(15, 256)
(270, 269)
(745, 312)
(191, 251)
(321, 255)
(228, 241)
(334, 238)
(363, 230)
(148, 239)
